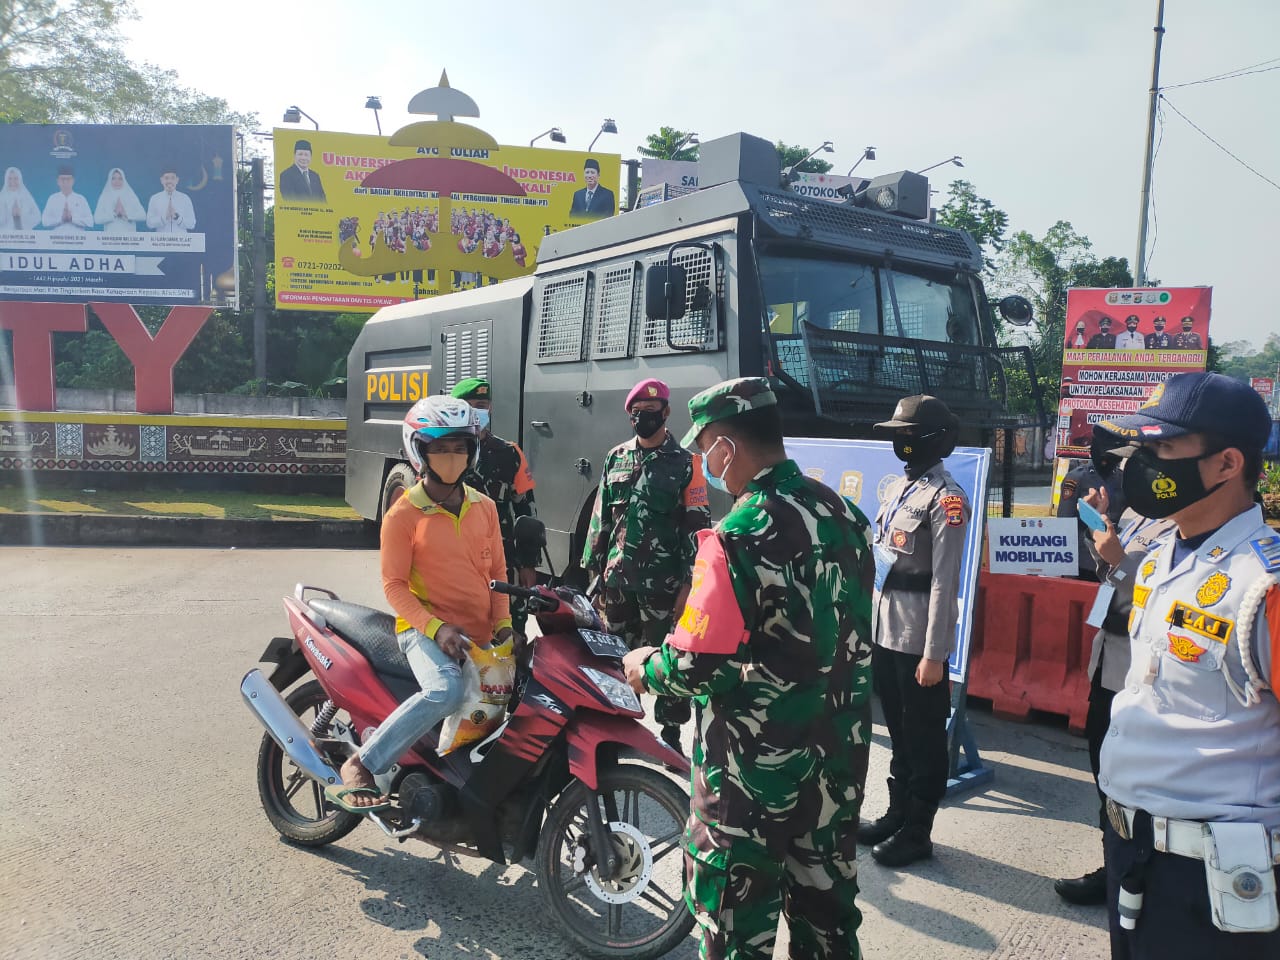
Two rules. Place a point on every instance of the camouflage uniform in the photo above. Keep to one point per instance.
(650, 504)
(784, 683)
(502, 474)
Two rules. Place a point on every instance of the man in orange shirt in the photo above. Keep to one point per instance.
(441, 545)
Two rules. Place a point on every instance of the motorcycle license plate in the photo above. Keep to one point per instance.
(604, 644)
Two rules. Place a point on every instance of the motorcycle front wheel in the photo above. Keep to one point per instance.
(640, 913)
(293, 802)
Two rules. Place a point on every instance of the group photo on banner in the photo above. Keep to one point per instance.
(1120, 345)
(142, 214)
(365, 221)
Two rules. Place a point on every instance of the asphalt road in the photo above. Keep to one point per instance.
(130, 825)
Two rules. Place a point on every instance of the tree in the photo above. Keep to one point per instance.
(663, 145)
(794, 156)
(1042, 270)
(983, 220)
(1240, 359)
(62, 61)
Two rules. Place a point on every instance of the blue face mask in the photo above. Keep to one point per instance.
(717, 483)
(482, 417)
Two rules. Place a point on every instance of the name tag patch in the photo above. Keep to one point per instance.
(1199, 622)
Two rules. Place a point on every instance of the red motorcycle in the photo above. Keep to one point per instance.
(549, 783)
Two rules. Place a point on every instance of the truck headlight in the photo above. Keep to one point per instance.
(616, 691)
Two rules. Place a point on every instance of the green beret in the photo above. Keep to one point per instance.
(726, 400)
(473, 388)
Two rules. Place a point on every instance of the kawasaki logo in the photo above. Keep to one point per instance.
(324, 661)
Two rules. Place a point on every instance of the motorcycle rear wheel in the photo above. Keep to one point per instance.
(641, 914)
(293, 802)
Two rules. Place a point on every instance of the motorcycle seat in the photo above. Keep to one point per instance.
(370, 631)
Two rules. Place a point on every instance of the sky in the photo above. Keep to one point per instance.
(1046, 102)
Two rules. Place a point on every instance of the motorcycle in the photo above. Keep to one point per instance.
(549, 784)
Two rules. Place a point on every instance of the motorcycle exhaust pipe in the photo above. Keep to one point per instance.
(285, 728)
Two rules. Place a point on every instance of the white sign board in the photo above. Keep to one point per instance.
(684, 174)
(1039, 546)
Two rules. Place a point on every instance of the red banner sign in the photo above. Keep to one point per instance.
(1120, 344)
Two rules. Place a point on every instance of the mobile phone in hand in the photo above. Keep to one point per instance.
(1090, 517)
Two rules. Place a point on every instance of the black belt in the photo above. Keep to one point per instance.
(909, 582)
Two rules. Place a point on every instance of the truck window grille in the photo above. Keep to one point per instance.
(561, 316)
(858, 377)
(702, 292)
(612, 335)
(466, 353)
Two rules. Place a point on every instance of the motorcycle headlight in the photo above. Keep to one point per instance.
(615, 691)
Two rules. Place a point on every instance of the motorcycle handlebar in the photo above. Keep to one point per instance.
(536, 598)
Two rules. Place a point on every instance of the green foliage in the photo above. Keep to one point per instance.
(662, 145)
(62, 61)
(790, 156)
(983, 220)
(1240, 359)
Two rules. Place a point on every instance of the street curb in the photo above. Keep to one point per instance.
(88, 530)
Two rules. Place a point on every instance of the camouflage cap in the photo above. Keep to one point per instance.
(921, 410)
(473, 388)
(727, 399)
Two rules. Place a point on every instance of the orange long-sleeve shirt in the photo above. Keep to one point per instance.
(436, 567)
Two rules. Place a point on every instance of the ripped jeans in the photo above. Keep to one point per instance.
(441, 681)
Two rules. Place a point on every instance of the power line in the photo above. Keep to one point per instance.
(1202, 133)
(1231, 74)
(1155, 220)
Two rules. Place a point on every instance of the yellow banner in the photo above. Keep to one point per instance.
(361, 224)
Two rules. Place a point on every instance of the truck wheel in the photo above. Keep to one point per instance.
(399, 479)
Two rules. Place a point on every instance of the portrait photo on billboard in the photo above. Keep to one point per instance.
(362, 223)
(143, 214)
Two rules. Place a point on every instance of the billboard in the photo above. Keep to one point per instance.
(1266, 388)
(861, 470)
(140, 214)
(364, 221)
(1120, 344)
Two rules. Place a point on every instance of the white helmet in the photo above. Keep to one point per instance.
(435, 417)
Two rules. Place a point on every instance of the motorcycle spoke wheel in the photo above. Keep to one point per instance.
(293, 802)
(640, 913)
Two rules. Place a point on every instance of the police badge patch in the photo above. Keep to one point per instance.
(1148, 569)
(953, 507)
(1213, 590)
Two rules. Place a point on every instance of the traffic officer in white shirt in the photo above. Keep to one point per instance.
(1191, 765)
(67, 210)
(170, 210)
(1130, 339)
(920, 533)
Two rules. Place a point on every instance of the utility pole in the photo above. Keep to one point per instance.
(1140, 261)
(259, 187)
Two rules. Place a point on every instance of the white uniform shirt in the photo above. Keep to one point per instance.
(1130, 341)
(81, 215)
(1181, 744)
(158, 218)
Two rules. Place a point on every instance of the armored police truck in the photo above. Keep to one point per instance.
(846, 307)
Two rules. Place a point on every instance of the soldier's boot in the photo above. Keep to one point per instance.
(1087, 891)
(913, 841)
(872, 833)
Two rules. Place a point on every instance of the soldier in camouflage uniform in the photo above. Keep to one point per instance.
(502, 474)
(652, 500)
(775, 642)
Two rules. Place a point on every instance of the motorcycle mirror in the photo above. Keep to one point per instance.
(530, 531)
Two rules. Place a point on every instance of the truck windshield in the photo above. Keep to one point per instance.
(857, 298)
